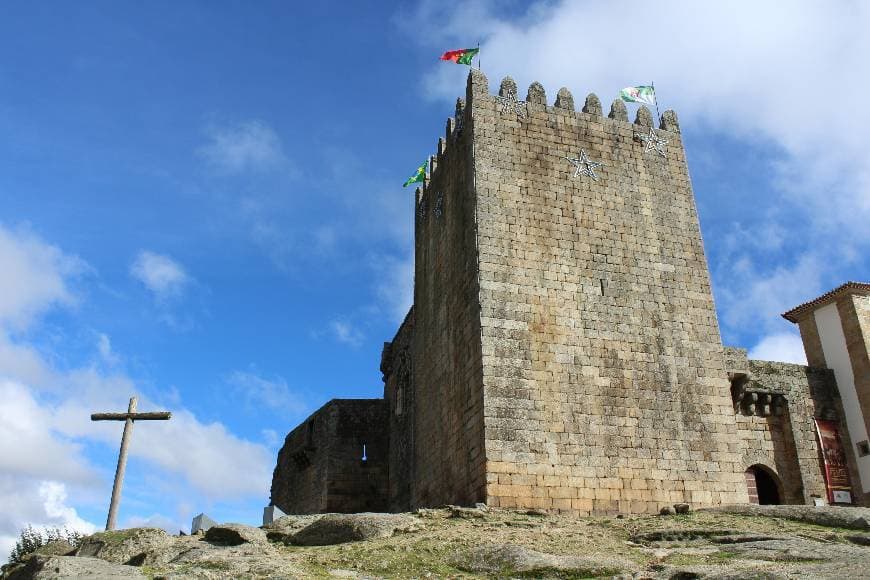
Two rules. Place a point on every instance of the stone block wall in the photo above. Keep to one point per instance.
(448, 421)
(785, 441)
(320, 467)
(397, 366)
(603, 373)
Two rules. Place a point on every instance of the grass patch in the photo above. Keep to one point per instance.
(114, 536)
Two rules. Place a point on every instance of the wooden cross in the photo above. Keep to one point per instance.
(128, 418)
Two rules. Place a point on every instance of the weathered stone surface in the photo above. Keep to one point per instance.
(134, 546)
(56, 548)
(682, 508)
(331, 442)
(536, 94)
(643, 117)
(592, 105)
(509, 543)
(341, 528)
(860, 539)
(234, 535)
(855, 518)
(508, 87)
(284, 528)
(669, 122)
(42, 567)
(618, 111)
(466, 513)
(564, 99)
(509, 559)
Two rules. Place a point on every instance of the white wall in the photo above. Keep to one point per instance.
(837, 358)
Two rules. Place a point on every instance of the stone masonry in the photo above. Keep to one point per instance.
(563, 351)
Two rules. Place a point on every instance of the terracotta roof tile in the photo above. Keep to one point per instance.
(859, 287)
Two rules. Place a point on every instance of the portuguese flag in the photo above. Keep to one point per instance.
(418, 176)
(461, 56)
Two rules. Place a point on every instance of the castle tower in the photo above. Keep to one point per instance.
(835, 329)
(564, 344)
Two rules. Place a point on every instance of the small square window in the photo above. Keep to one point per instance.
(863, 448)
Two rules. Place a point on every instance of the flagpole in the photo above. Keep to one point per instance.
(658, 115)
(478, 55)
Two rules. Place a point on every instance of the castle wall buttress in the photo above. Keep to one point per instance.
(604, 380)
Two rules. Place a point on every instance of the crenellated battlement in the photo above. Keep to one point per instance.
(477, 91)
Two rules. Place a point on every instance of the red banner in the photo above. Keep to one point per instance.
(836, 470)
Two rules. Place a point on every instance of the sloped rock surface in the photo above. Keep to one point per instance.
(508, 559)
(340, 528)
(284, 528)
(136, 546)
(41, 567)
(235, 535)
(493, 543)
(855, 518)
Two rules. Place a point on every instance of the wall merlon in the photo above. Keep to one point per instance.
(536, 94)
(644, 118)
(564, 99)
(507, 87)
(669, 122)
(592, 105)
(618, 112)
(477, 86)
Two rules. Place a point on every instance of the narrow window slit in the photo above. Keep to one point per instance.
(601, 283)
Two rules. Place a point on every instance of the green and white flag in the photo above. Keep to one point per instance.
(646, 95)
(418, 176)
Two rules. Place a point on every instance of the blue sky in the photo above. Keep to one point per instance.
(201, 204)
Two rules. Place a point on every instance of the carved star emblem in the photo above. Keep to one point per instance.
(510, 103)
(584, 166)
(653, 142)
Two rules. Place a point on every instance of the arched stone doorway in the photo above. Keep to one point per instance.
(763, 486)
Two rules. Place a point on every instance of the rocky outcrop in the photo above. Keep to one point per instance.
(42, 567)
(768, 542)
(509, 559)
(342, 528)
(854, 518)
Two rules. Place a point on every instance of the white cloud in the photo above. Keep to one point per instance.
(160, 274)
(27, 443)
(246, 146)
(36, 276)
(346, 333)
(763, 295)
(783, 347)
(271, 393)
(41, 504)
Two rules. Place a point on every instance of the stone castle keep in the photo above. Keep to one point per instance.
(563, 351)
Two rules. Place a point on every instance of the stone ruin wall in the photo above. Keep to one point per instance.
(775, 405)
(448, 422)
(397, 366)
(320, 467)
(604, 380)
(300, 475)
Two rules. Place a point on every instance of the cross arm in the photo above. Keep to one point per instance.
(153, 416)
